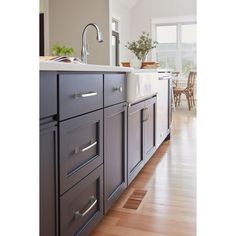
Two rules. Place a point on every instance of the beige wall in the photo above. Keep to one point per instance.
(67, 20)
(122, 13)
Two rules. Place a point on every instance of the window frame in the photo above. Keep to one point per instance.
(178, 22)
(116, 33)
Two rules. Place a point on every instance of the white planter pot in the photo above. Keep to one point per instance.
(135, 63)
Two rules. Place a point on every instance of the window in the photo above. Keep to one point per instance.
(115, 42)
(177, 46)
(167, 48)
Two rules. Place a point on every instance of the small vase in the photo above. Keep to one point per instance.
(135, 63)
(144, 58)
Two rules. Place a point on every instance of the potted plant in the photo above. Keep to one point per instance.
(58, 50)
(141, 48)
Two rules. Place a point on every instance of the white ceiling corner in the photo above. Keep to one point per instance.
(129, 3)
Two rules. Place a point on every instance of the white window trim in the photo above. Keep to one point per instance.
(118, 20)
(177, 20)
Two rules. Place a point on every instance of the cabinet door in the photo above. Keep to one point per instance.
(115, 157)
(48, 183)
(162, 112)
(149, 120)
(135, 140)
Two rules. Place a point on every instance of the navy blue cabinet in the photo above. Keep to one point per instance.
(115, 153)
(48, 155)
(141, 135)
(91, 147)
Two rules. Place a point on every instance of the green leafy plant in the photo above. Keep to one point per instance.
(58, 50)
(142, 46)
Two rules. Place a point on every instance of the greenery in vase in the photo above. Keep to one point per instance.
(142, 46)
(58, 50)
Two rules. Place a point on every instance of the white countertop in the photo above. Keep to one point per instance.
(75, 66)
(151, 70)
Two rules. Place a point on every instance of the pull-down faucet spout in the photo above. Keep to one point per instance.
(84, 50)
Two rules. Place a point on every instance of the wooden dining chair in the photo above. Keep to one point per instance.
(187, 91)
(175, 74)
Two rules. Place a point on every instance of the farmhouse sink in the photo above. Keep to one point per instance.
(141, 85)
(144, 83)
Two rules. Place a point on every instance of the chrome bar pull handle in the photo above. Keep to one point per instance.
(119, 89)
(85, 95)
(92, 203)
(89, 146)
(92, 144)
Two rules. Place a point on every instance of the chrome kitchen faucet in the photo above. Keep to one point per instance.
(84, 50)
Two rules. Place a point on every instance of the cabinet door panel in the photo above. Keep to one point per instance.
(115, 158)
(135, 140)
(48, 176)
(162, 112)
(81, 147)
(149, 128)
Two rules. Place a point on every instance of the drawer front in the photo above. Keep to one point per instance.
(114, 89)
(81, 147)
(81, 207)
(48, 93)
(79, 94)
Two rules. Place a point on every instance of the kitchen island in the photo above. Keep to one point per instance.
(94, 139)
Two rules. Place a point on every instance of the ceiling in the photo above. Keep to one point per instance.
(129, 3)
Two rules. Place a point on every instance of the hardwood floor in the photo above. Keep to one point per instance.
(169, 206)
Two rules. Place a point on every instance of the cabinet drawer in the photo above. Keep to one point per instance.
(48, 93)
(81, 147)
(81, 207)
(79, 94)
(114, 89)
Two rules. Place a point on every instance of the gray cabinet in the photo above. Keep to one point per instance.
(48, 179)
(141, 135)
(115, 156)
